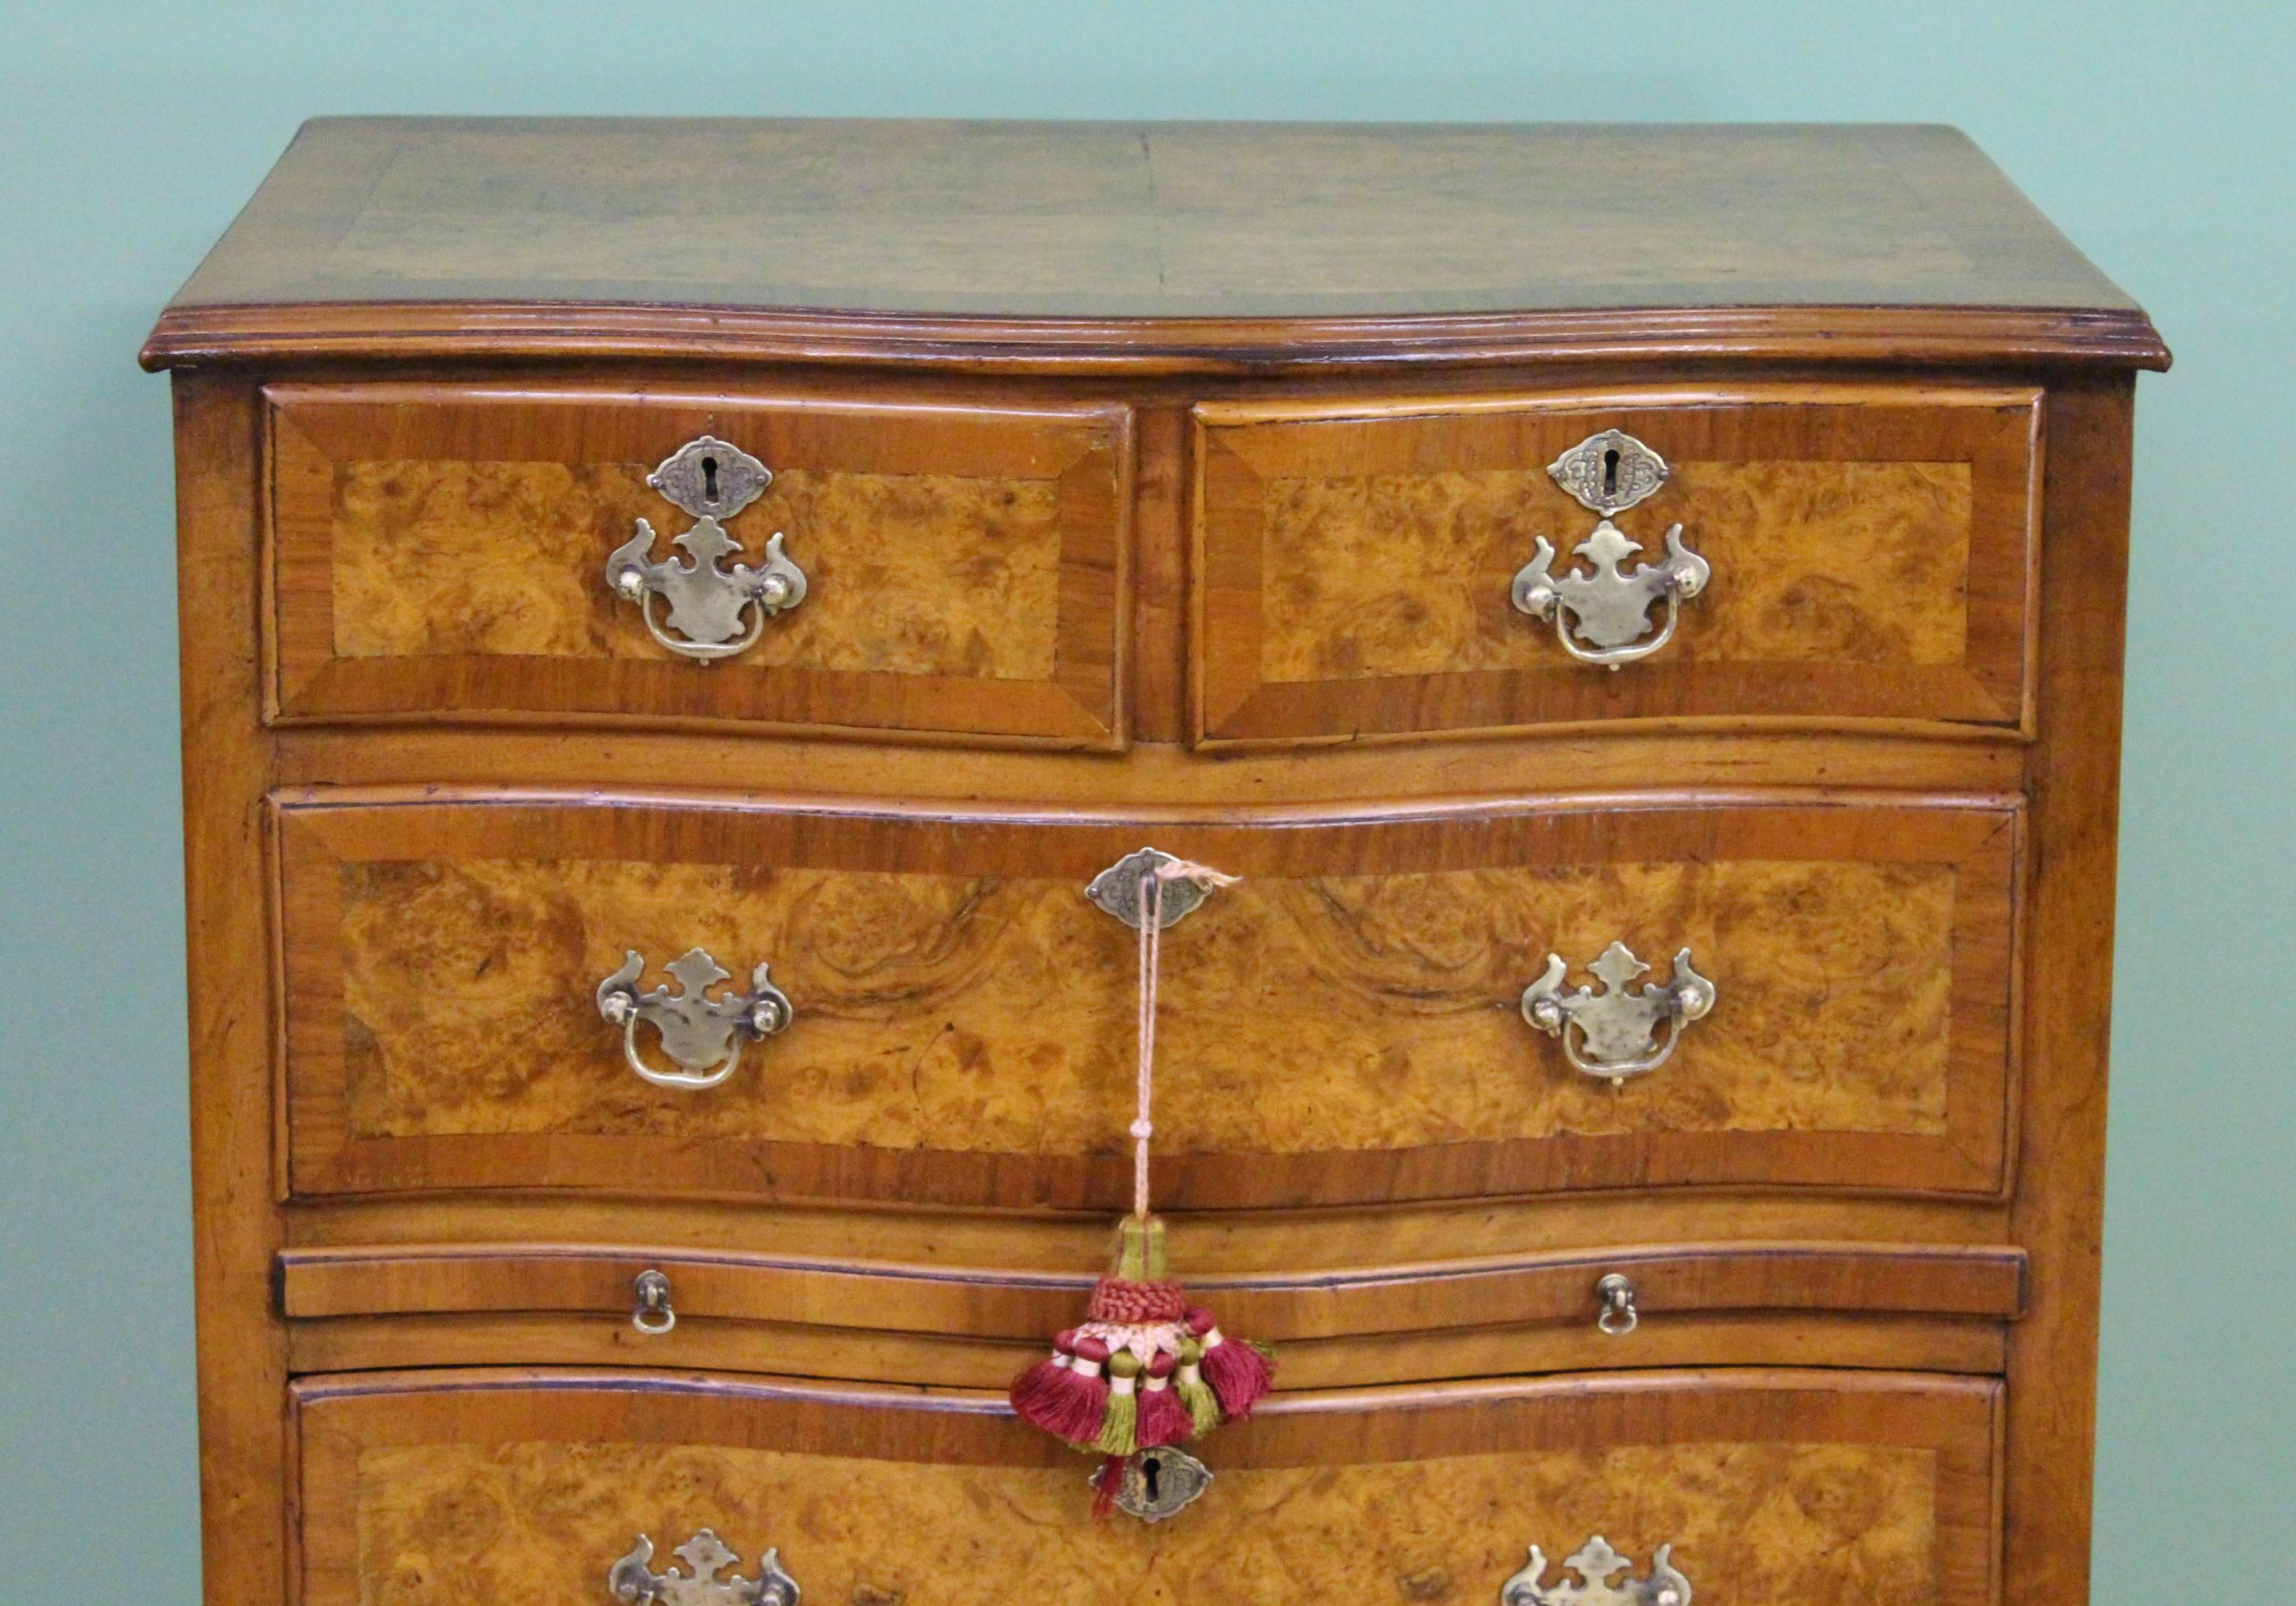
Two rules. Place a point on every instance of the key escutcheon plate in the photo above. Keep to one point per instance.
(716, 609)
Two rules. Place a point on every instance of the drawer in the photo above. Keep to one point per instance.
(1868, 557)
(1345, 1026)
(1740, 1302)
(442, 553)
(1787, 1488)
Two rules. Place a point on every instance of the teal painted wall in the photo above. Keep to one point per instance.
(2163, 139)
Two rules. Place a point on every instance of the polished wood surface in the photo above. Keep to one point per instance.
(964, 1015)
(1974, 1280)
(1177, 244)
(441, 550)
(1792, 1487)
(1093, 570)
(1870, 553)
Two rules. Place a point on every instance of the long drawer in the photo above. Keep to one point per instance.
(1348, 1025)
(1791, 1489)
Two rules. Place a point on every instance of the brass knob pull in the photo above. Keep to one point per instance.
(1618, 1315)
(634, 1583)
(1601, 613)
(1595, 1563)
(1614, 1034)
(652, 1314)
(704, 1034)
(712, 481)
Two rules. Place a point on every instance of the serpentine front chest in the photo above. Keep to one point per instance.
(676, 617)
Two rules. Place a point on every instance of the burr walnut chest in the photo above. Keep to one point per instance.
(676, 615)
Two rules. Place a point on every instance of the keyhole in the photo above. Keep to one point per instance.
(710, 479)
(1151, 1468)
(1610, 473)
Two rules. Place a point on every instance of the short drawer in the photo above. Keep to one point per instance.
(1789, 1487)
(1861, 554)
(1348, 1025)
(442, 552)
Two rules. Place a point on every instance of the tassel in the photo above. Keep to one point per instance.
(1105, 1483)
(1067, 1400)
(1119, 1428)
(1039, 1393)
(1084, 1398)
(1194, 1393)
(1164, 1419)
(1240, 1374)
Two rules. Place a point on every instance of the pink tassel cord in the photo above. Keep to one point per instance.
(1145, 1369)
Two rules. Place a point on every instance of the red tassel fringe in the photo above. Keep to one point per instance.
(1066, 1401)
(1240, 1375)
(1164, 1418)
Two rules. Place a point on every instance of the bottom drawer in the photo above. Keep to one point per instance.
(1776, 1488)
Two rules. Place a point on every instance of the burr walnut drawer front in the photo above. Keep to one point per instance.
(1786, 1488)
(732, 996)
(1817, 551)
(472, 551)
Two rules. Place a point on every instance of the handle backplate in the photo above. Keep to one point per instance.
(634, 1583)
(1601, 612)
(702, 1034)
(708, 601)
(1615, 1034)
(1597, 1563)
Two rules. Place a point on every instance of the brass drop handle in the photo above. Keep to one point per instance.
(1615, 1034)
(634, 1583)
(708, 601)
(653, 1315)
(1601, 612)
(704, 1034)
(1616, 1295)
(1597, 1563)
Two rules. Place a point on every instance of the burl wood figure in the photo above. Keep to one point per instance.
(680, 620)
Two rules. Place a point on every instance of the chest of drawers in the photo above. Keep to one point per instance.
(1640, 609)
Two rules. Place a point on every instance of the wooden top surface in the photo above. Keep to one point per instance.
(999, 231)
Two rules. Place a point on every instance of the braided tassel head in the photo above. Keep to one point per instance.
(1145, 1368)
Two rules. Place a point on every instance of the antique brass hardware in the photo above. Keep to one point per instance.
(1117, 890)
(1158, 1483)
(1603, 606)
(1619, 1026)
(1618, 1315)
(634, 1583)
(704, 1034)
(1594, 1562)
(710, 480)
(652, 1314)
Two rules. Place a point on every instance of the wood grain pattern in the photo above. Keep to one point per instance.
(1803, 1337)
(2076, 787)
(965, 1013)
(1787, 1486)
(1972, 1281)
(441, 548)
(909, 574)
(1408, 574)
(1143, 220)
(1870, 554)
(237, 1136)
